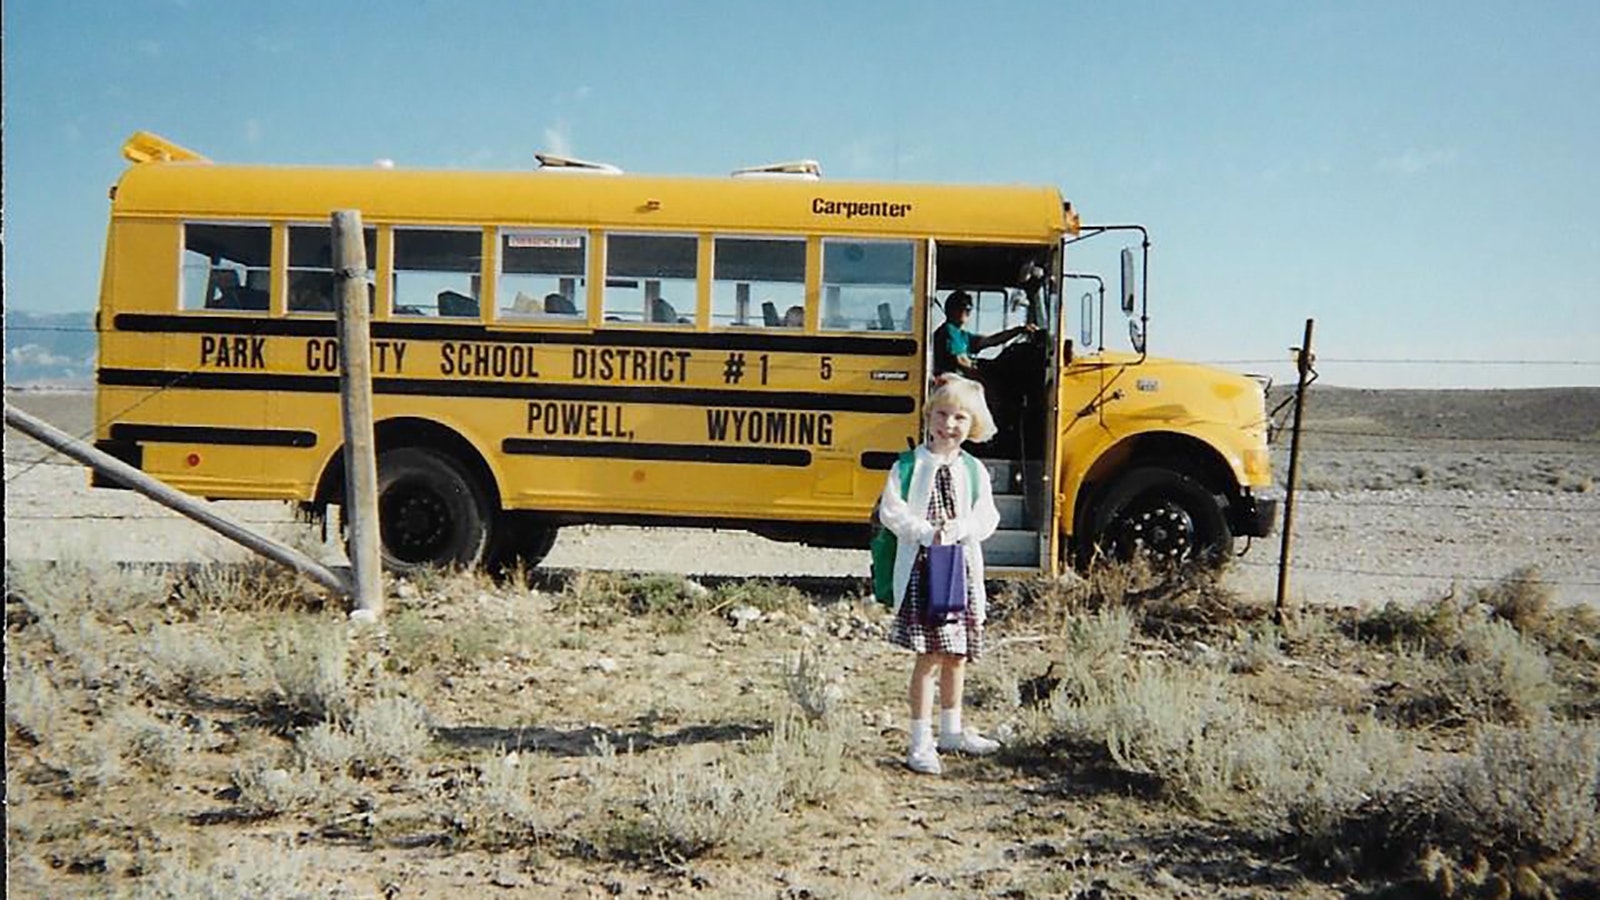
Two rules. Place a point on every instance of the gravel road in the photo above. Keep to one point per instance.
(1349, 546)
(1414, 538)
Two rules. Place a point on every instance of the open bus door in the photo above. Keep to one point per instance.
(1011, 286)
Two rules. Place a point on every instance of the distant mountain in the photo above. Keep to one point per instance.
(56, 349)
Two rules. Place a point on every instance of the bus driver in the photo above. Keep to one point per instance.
(954, 350)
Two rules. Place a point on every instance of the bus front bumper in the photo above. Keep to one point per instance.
(1252, 516)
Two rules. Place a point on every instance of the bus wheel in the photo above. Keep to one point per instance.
(1165, 516)
(430, 512)
(521, 538)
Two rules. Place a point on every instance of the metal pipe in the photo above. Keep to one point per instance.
(1304, 365)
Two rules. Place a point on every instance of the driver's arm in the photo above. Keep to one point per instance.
(980, 341)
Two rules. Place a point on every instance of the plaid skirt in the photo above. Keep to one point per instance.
(914, 632)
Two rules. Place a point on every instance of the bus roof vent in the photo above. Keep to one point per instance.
(800, 170)
(567, 164)
(146, 146)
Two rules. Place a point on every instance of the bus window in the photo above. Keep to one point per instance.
(651, 278)
(226, 266)
(866, 285)
(311, 284)
(437, 272)
(541, 274)
(758, 282)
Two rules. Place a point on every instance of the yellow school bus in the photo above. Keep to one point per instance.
(572, 344)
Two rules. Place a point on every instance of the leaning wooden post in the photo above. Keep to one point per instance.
(355, 395)
(1303, 362)
(173, 499)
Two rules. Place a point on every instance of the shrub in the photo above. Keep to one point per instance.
(267, 790)
(604, 598)
(499, 807)
(1524, 798)
(152, 745)
(1521, 599)
(309, 663)
(185, 660)
(255, 583)
(33, 705)
(1096, 655)
(326, 746)
(1490, 674)
(64, 589)
(807, 760)
(281, 874)
(1470, 666)
(689, 810)
(91, 764)
(814, 686)
(1256, 648)
(1309, 774)
(389, 733)
(1177, 725)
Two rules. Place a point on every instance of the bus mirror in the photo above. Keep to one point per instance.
(1136, 336)
(1086, 319)
(1127, 281)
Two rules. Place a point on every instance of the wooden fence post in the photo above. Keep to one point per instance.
(355, 403)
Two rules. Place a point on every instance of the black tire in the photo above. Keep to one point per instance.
(1166, 516)
(431, 513)
(521, 538)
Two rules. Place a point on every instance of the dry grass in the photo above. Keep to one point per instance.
(715, 749)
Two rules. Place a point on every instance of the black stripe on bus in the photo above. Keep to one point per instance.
(881, 460)
(832, 344)
(755, 456)
(210, 434)
(658, 394)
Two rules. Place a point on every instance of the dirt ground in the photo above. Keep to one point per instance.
(161, 750)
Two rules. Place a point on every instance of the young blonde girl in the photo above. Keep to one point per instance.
(940, 507)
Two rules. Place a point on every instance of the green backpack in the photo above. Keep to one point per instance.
(885, 545)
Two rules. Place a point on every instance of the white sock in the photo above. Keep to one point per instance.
(950, 722)
(921, 735)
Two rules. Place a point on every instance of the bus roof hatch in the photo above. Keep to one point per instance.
(800, 170)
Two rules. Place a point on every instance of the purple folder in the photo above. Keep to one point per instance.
(947, 583)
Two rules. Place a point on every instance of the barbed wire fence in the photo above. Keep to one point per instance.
(1384, 443)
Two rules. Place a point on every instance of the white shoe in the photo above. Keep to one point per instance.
(969, 742)
(925, 762)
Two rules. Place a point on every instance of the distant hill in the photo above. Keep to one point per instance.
(1560, 414)
(49, 349)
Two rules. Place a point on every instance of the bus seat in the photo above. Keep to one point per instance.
(560, 305)
(885, 317)
(662, 311)
(453, 303)
(224, 293)
(769, 314)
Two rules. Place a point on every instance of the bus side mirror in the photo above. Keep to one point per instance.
(1136, 336)
(1086, 319)
(1128, 297)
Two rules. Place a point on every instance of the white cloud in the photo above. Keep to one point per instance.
(34, 354)
(1416, 162)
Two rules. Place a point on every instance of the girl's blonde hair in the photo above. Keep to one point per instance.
(964, 393)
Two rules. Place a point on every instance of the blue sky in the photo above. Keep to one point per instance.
(1418, 177)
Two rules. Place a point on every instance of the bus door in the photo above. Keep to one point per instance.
(1008, 287)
